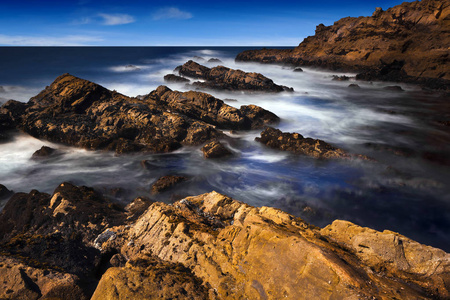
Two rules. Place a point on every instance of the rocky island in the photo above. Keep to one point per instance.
(406, 43)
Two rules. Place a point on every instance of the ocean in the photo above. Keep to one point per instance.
(405, 188)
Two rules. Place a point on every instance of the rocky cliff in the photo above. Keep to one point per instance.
(409, 42)
(76, 243)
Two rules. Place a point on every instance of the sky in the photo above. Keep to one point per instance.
(171, 23)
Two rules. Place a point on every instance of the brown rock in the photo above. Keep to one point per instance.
(408, 43)
(296, 143)
(166, 182)
(215, 149)
(223, 78)
(43, 152)
(175, 78)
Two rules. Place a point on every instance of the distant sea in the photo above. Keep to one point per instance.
(405, 189)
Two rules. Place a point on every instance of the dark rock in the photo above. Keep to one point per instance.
(137, 207)
(394, 88)
(204, 107)
(215, 149)
(214, 60)
(413, 36)
(296, 143)
(298, 69)
(354, 86)
(166, 182)
(199, 59)
(44, 152)
(4, 192)
(223, 78)
(341, 78)
(175, 78)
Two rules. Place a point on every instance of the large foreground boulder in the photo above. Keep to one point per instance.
(223, 78)
(204, 247)
(408, 42)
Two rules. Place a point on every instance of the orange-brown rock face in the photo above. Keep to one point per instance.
(414, 35)
(238, 251)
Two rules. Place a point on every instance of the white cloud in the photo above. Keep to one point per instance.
(116, 19)
(171, 13)
(69, 40)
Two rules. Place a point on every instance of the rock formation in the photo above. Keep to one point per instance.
(223, 78)
(215, 149)
(408, 43)
(175, 78)
(77, 112)
(296, 143)
(204, 247)
(166, 182)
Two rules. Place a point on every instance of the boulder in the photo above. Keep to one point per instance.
(296, 143)
(406, 43)
(166, 182)
(394, 88)
(44, 152)
(214, 60)
(354, 86)
(298, 69)
(215, 149)
(223, 78)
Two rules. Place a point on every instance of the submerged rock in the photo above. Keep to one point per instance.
(408, 43)
(214, 60)
(298, 69)
(215, 149)
(44, 152)
(223, 78)
(296, 143)
(166, 182)
(394, 88)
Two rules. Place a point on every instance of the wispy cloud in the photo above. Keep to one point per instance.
(69, 40)
(116, 19)
(171, 13)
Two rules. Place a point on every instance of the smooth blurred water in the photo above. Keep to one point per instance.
(406, 189)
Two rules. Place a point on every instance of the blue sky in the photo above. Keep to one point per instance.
(171, 23)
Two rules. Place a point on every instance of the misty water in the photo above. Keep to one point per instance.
(405, 188)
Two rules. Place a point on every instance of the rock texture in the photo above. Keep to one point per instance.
(204, 247)
(166, 182)
(296, 143)
(408, 43)
(204, 107)
(223, 78)
(175, 78)
(215, 149)
(77, 112)
(44, 152)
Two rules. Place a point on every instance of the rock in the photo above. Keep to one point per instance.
(44, 152)
(341, 78)
(229, 246)
(296, 143)
(166, 182)
(175, 78)
(214, 60)
(223, 78)
(80, 113)
(215, 149)
(406, 43)
(147, 277)
(4, 192)
(199, 59)
(394, 88)
(354, 86)
(298, 69)
(204, 107)
(137, 207)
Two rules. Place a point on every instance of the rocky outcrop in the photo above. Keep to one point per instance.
(77, 112)
(4, 192)
(408, 43)
(204, 247)
(215, 149)
(204, 107)
(223, 78)
(296, 143)
(44, 152)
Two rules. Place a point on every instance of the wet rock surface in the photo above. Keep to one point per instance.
(75, 243)
(175, 78)
(407, 43)
(166, 182)
(215, 149)
(296, 143)
(223, 78)
(44, 152)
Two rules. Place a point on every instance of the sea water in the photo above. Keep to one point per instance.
(405, 188)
